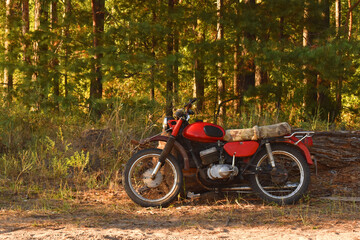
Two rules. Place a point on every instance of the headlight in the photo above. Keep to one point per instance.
(165, 124)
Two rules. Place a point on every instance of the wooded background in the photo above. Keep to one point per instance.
(295, 59)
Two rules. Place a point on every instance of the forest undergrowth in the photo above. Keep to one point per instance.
(53, 155)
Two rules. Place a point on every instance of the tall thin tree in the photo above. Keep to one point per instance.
(199, 68)
(55, 61)
(170, 63)
(96, 87)
(8, 70)
(220, 65)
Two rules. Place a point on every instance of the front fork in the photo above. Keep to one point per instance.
(167, 149)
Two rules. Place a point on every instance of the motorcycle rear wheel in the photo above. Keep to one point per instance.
(147, 192)
(285, 185)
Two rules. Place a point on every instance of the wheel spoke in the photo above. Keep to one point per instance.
(288, 169)
(149, 189)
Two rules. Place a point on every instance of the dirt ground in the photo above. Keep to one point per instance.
(109, 214)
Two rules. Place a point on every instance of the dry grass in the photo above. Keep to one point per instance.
(108, 208)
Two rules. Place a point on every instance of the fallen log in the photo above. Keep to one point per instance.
(336, 149)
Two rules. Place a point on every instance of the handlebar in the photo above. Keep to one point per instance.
(186, 111)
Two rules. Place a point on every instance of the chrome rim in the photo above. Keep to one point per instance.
(288, 188)
(155, 190)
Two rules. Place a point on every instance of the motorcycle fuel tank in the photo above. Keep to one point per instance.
(204, 132)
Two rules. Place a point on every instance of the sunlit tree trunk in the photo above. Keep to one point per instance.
(349, 17)
(98, 13)
(8, 70)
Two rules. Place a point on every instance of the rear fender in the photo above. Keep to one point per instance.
(300, 146)
(178, 147)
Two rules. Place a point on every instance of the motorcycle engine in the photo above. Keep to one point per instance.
(217, 171)
(209, 156)
(221, 171)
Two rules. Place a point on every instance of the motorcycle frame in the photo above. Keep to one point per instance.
(172, 143)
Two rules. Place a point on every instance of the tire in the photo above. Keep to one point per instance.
(291, 180)
(152, 193)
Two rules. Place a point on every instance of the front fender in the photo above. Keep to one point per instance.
(178, 147)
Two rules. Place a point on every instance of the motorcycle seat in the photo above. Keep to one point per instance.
(256, 133)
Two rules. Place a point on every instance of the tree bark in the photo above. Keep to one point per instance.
(199, 69)
(310, 77)
(176, 66)
(55, 61)
(41, 24)
(220, 78)
(350, 21)
(67, 19)
(349, 17)
(25, 30)
(338, 86)
(98, 13)
(153, 67)
(338, 16)
(336, 149)
(8, 71)
(237, 64)
(170, 64)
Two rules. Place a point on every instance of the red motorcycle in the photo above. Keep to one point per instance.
(271, 160)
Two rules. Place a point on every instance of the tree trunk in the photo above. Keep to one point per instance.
(8, 71)
(237, 64)
(152, 72)
(248, 67)
(338, 17)
(55, 61)
(176, 66)
(220, 78)
(170, 64)
(25, 30)
(310, 77)
(350, 20)
(199, 69)
(67, 19)
(40, 75)
(338, 86)
(98, 13)
(349, 17)
(153, 67)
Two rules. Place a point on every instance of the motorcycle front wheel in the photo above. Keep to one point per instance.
(285, 184)
(148, 192)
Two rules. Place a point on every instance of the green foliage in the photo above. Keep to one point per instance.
(78, 161)
(144, 45)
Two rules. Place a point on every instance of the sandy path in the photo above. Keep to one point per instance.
(69, 232)
(111, 215)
